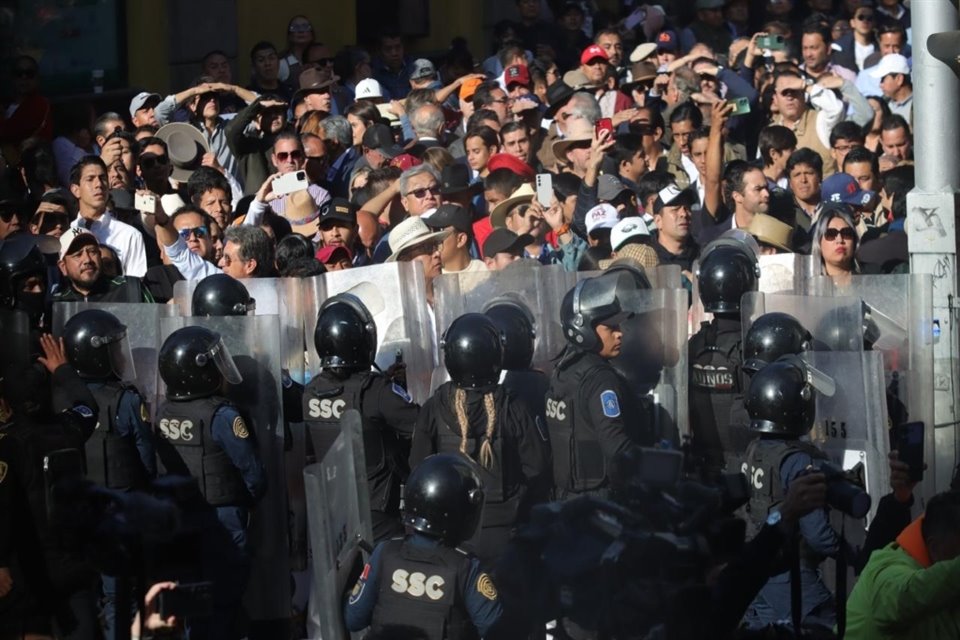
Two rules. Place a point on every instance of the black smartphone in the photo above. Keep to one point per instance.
(907, 439)
(62, 469)
(194, 600)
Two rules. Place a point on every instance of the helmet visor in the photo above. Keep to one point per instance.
(822, 382)
(221, 358)
(121, 357)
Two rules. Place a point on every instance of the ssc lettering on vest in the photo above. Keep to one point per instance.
(176, 430)
(326, 408)
(556, 409)
(754, 475)
(417, 584)
(716, 378)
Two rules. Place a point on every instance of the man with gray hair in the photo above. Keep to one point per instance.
(248, 252)
(340, 153)
(581, 105)
(427, 122)
(419, 189)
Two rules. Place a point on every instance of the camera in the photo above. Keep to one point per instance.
(843, 493)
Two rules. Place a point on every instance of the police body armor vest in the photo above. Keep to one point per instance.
(578, 464)
(325, 400)
(498, 508)
(187, 427)
(762, 468)
(113, 461)
(717, 416)
(419, 593)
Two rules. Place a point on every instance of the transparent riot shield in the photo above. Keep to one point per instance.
(897, 320)
(254, 343)
(143, 333)
(538, 288)
(785, 271)
(834, 322)
(339, 519)
(395, 294)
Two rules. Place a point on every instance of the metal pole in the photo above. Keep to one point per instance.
(932, 206)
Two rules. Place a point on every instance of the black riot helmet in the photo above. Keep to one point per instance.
(97, 345)
(473, 351)
(727, 269)
(518, 327)
(346, 335)
(781, 397)
(21, 258)
(773, 335)
(591, 302)
(443, 498)
(194, 362)
(221, 295)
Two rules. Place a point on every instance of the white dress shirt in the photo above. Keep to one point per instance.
(122, 238)
(190, 265)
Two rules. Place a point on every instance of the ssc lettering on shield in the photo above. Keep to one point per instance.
(326, 408)
(417, 584)
(556, 409)
(176, 430)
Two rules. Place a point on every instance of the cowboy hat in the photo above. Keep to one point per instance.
(186, 146)
(412, 232)
(523, 195)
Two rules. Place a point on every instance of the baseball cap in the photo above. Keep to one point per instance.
(667, 40)
(627, 228)
(513, 163)
(602, 216)
(609, 187)
(890, 63)
(516, 74)
(367, 89)
(672, 196)
(422, 69)
(333, 253)
(379, 138)
(339, 209)
(451, 215)
(591, 52)
(503, 240)
(469, 87)
(74, 238)
(842, 187)
(142, 100)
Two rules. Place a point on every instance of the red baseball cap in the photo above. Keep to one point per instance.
(404, 161)
(591, 52)
(516, 74)
(514, 164)
(329, 253)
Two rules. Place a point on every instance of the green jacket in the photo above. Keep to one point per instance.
(896, 597)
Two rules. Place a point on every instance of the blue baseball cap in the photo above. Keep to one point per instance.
(842, 187)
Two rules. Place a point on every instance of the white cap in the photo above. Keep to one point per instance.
(602, 216)
(627, 228)
(71, 237)
(890, 63)
(643, 51)
(367, 89)
(141, 99)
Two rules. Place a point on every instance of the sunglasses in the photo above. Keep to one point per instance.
(792, 93)
(421, 193)
(846, 233)
(294, 155)
(24, 73)
(198, 232)
(149, 162)
(300, 28)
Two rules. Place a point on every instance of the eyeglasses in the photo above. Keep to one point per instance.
(844, 148)
(421, 193)
(149, 162)
(294, 155)
(198, 232)
(24, 73)
(846, 233)
(864, 17)
(300, 28)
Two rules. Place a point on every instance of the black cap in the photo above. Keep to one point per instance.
(450, 215)
(340, 209)
(455, 178)
(505, 241)
(379, 138)
(557, 95)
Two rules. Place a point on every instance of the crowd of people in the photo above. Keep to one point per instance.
(697, 137)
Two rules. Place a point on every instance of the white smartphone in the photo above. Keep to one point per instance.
(290, 182)
(145, 202)
(544, 189)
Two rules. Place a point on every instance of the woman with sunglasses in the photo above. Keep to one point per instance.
(835, 242)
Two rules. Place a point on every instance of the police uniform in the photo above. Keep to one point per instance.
(717, 417)
(519, 473)
(388, 415)
(121, 453)
(418, 587)
(591, 418)
(771, 465)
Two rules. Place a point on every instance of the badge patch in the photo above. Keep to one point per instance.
(485, 587)
(610, 404)
(84, 410)
(3, 471)
(144, 414)
(357, 592)
(400, 391)
(240, 429)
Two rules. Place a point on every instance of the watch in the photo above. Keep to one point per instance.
(773, 518)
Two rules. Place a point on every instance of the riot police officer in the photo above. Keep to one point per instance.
(771, 336)
(591, 414)
(728, 268)
(518, 328)
(476, 417)
(346, 342)
(781, 403)
(204, 436)
(24, 277)
(422, 585)
(221, 295)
